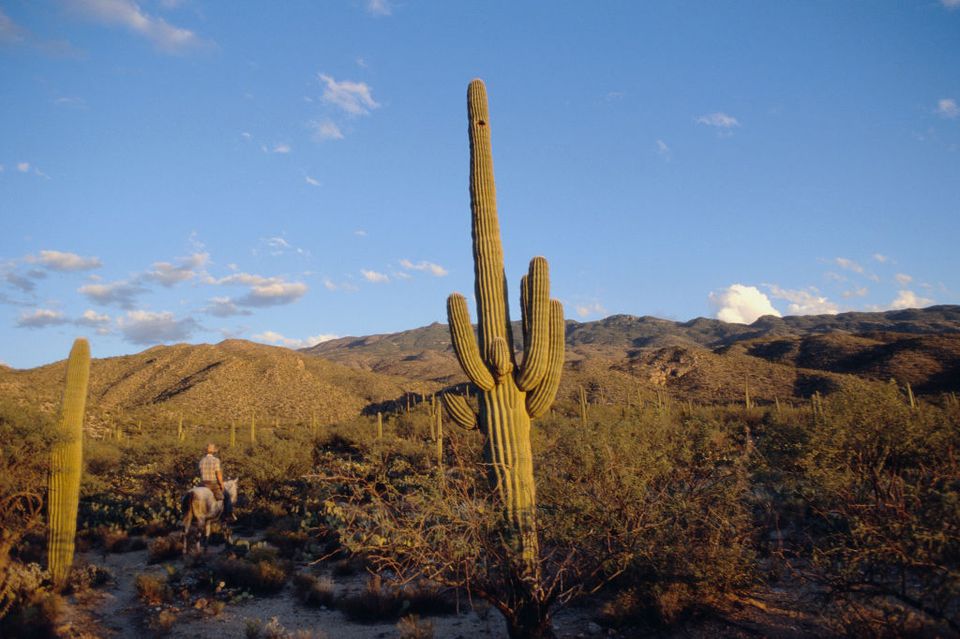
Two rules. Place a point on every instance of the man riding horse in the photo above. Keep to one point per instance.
(212, 477)
(211, 502)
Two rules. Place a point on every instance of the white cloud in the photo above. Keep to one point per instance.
(719, 120)
(274, 294)
(663, 149)
(246, 135)
(25, 284)
(947, 107)
(272, 337)
(282, 148)
(329, 284)
(804, 301)
(585, 310)
(92, 318)
(903, 279)
(121, 293)
(41, 318)
(98, 321)
(848, 264)
(360, 233)
(62, 261)
(264, 291)
(857, 292)
(325, 130)
(374, 276)
(741, 304)
(950, 4)
(379, 7)
(147, 327)
(433, 269)
(311, 181)
(909, 299)
(70, 101)
(224, 307)
(352, 97)
(880, 257)
(23, 167)
(125, 13)
(169, 274)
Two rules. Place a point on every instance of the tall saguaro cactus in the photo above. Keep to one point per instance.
(66, 465)
(509, 394)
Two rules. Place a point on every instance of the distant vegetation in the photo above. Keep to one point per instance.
(680, 509)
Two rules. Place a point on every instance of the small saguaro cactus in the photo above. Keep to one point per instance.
(911, 397)
(509, 395)
(180, 433)
(66, 466)
(233, 433)
(582, 397)
(253, 429)
(379, 425)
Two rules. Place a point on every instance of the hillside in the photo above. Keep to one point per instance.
(230, 380)
(705, 359)
(617, 359)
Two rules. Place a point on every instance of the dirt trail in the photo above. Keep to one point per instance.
(114, 611)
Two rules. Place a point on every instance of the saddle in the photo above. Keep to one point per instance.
(216, 490)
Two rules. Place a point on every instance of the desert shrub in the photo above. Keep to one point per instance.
(287, 542)
(29, 605)
(373, 603)
(273, 629)
(153, 588)
(86, 576)
(412, 627)
(347, 567)
(162, 623)
(164, 548)
(313, 591)
(667, 498)
(101, 458)
(882, 486)
(33, 615)
(263, 576)
(114, 539)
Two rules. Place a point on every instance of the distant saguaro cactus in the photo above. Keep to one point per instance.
(509, 395)
(582, 398)
(66, 465)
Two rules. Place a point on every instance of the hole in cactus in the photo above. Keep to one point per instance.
(481, 122)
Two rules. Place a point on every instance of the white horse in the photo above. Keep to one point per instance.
(200, 504)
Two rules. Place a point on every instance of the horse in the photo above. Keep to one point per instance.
(200, 504)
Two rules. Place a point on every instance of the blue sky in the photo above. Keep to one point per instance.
(190, 170)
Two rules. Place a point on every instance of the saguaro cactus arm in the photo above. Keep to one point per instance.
(464, 343)
(535, 308)
(460, 411)
(539, 399)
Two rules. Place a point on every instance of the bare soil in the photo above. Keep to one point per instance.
(115, 611)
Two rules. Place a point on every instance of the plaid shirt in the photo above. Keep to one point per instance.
(209, 466)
